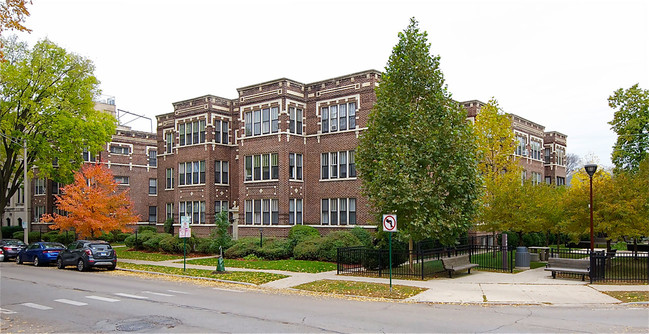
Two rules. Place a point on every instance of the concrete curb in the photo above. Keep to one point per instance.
(187, 276)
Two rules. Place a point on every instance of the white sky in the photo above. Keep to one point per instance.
(552, 62)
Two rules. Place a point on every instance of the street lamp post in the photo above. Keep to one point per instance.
(591, 169)
(25, 184)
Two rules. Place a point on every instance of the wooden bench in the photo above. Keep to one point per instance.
(573, 266)
(457, 263)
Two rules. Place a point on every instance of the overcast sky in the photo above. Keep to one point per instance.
(552, 62)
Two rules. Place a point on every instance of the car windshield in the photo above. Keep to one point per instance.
(100, 247)
(51, 245)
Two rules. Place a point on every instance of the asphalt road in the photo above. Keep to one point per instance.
(45, 299)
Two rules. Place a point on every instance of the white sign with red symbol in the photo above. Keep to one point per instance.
(184, 231)
(390, 223)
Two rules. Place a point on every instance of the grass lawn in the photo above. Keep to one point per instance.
(629, 296)
(287, 265)
(125, 253)
(364, 289)
(238, 276)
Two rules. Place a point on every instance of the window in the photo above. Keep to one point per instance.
(295, 120)
(262, 212)
(192, 133)
(338, 165)
(153, 214)
(170, 211)
(169, 141)
(561, 156)
(220, 206)
(536, 178)
(20, 199)
(221, 134)
(170, 178)
(547, 155)
(56, 188)
(125, 150)
(262, 121)
(39, 211)
(295, 166)
(153, 158)
(262, 167)
(221, 171)
(122, 180)
(153, 186)
(338, 117)
(535, 150)
(521, 147)
(548, 179)
(191, 173)
(193, 209)
(295, 211)
(561, 181)
(87, 156)
(338, 211)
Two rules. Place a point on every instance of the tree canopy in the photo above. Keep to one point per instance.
(12, 15)
(417, 156)
(93, 204)
(47, 100)
(631, 123)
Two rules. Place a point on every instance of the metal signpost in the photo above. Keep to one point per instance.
(390, 225)
(184, 232)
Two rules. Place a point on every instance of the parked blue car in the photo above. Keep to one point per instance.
(40, 253)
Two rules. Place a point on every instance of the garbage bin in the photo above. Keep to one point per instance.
(535, 257)
(522, 257)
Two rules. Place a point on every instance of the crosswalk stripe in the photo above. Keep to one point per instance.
(184, 293)
(158, 293)
(104, 299)
(37, 306)
(5, 311)
(71, 302)
(130, 296)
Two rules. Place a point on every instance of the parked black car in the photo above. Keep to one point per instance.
(11, 248)
(86, 254)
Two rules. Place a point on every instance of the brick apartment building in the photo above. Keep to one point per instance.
(283, 153)
(131, 156)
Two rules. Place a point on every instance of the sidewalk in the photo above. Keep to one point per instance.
(534, 286)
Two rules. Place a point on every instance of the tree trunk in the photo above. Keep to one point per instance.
(410, 259)
(608, 245)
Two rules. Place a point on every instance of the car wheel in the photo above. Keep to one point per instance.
(112, 267)
(36, 261)
(81, 266)
(59, 263)
(19, 260)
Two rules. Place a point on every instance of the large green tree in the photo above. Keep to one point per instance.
(417, 156)
(631, 123)
(46, 99)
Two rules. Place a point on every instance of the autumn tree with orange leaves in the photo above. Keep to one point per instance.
(93, 204)
(12, 15)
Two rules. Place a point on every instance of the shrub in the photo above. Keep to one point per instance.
(153, 243)
(174, 244)
(243, 247)
(299, 233)
(277, 249)
(363, 235)
(8, 231)
(120, 237)
(168, 244)
(145, 228)
(136, 240)
(307, 249)
(220, 236)
(328, 248)
(169, 226)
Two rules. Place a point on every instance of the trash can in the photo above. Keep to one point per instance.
(522, 257)
(535, 257)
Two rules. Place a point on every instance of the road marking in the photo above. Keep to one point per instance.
(103, 299)
(181, 292)
(71, 302)
(229, 290)
(5, 311)
(37, 306)
(130, 296)
(158, 293)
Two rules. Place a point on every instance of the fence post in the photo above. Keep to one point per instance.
(647, 257)
(380, 251)
(337, 261)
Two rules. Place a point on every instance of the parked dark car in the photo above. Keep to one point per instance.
(40, 253)
(86, 254)
(11, 248)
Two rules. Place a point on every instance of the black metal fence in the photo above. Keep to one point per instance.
(423, 262)
(611, 266)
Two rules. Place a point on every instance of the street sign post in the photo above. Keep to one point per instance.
(390, 225)
(184, 232)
